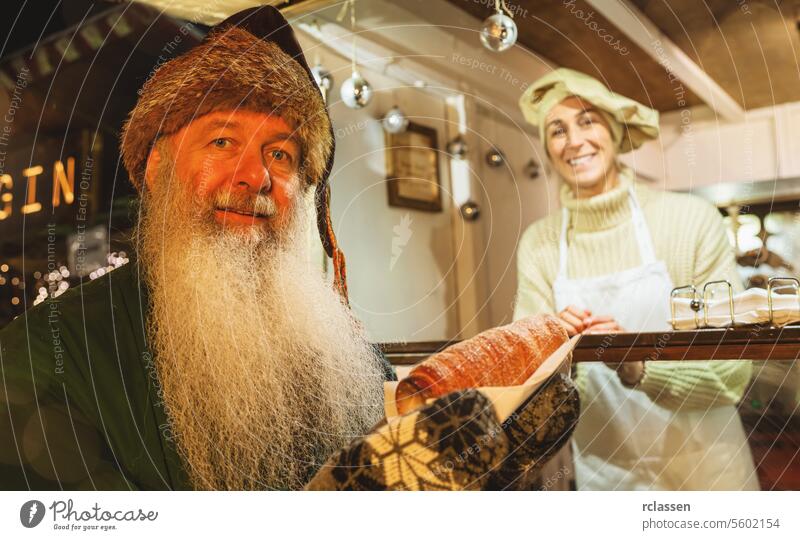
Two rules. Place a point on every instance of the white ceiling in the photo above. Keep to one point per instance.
(205, 11)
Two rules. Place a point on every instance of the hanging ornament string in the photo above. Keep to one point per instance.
(356, 91)
(351, 5)
(500, 6)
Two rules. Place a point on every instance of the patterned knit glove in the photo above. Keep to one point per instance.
(536, 431)
(450, 444)
(456, 443)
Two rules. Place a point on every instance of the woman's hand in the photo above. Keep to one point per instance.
(602, 324)
(581, 321)
(573, 318)
(630, 373)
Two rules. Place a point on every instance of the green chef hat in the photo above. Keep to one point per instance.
(631, 122)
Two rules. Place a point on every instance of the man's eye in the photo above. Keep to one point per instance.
(279, 155)
(221, 143)
(557, 132)
(586, 121)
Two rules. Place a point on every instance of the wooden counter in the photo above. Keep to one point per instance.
(748, 343)
(772, 426)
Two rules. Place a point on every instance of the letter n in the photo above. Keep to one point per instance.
(64, 181)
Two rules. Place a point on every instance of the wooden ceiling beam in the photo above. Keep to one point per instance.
(642, 31)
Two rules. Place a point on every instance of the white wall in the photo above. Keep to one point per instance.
(413, 299)
(702, 150)
(510, 201)
(711, 151)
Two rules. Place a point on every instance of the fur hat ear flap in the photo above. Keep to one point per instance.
(325, 227)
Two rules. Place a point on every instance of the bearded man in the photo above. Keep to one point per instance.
(219, 358)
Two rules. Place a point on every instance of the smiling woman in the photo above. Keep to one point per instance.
(581, 147)
(618, 250)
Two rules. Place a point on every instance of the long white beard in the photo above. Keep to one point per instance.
(264, 371)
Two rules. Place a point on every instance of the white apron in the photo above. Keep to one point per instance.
(623, 440)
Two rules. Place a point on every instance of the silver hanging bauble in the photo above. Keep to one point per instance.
(356, 92)
(470, 211)
(531, 170)
(324, 80)
(495, 158)
(499, 32)
(395, 121)
(457, 148)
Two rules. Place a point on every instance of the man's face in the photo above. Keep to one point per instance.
(242, 166)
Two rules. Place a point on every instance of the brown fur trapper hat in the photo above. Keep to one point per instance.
(250, 61)
(232, 69)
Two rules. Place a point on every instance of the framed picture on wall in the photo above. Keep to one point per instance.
(412, 169)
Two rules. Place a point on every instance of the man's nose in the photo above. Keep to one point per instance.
(252, 174)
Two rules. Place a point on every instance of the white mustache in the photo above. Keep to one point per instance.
(260, 205)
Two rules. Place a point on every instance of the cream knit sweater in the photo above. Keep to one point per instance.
(688, 235)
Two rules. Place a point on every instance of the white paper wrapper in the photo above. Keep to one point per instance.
(749, 307)
(506, 399)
